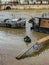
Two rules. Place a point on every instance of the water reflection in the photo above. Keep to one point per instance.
(13, 31)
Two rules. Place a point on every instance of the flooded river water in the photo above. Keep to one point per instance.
(12, 40)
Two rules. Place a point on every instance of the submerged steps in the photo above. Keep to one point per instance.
(34, 48)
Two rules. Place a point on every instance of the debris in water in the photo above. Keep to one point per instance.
(27, 39)
(34, 48)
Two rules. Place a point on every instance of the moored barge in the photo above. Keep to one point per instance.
(41, 24)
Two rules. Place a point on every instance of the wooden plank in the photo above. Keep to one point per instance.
(43, 40)
(23, 52)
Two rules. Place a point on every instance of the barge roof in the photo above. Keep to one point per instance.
(42, 17)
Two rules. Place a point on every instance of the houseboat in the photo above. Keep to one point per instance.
(40, 24)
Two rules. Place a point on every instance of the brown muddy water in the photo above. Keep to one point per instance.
(12, 40)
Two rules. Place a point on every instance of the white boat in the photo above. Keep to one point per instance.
(16, 23)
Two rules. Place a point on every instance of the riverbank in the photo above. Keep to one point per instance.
(25, 7)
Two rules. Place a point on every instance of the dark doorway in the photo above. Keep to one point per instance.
(8, 8)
